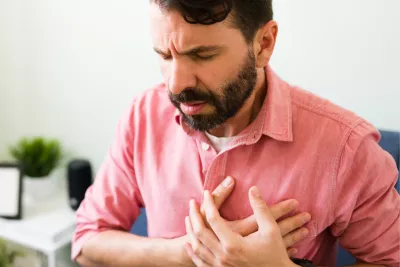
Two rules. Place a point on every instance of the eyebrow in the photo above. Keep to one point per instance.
(195, 50)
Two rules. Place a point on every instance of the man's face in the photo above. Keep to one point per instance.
(209, 70)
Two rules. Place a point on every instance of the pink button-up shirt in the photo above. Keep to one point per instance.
(299, 146)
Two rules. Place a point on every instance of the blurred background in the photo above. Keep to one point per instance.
(68, 69)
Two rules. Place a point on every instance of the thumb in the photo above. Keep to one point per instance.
(264, 217)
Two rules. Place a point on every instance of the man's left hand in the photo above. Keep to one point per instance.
(220, 246)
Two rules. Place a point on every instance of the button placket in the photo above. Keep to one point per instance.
(217, 170)
(207, 156)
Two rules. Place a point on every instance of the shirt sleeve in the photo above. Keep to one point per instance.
(113, 201)
(366, 206)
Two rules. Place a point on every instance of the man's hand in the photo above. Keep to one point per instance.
(249, 225)
(220, 246)
(291, 228)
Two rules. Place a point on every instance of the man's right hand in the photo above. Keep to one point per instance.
(292, 229)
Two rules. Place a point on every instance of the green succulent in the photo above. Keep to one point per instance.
(38, 156)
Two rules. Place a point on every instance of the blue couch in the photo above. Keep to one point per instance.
(390, 142)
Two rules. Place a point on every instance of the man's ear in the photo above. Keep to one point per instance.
(264, 43)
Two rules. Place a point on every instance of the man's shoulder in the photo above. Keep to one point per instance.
(155, 95)
(308, 105)
(328, 121)
(151, 107)
(311, 104)
(152, 101)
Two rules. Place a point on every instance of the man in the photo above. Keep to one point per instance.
(220, 112)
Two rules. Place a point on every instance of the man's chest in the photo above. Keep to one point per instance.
(168, 183)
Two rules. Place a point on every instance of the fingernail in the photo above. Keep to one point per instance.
(255, 192)
(228, 181)
(306, 218)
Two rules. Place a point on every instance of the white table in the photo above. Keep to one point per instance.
(45, 226)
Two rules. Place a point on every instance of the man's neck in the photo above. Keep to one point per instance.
(247, 113)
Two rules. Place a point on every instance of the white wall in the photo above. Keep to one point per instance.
(346, 51)
(69, 68)
(8, 31)
(82, 62)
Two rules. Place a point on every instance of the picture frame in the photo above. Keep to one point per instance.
(11, 175)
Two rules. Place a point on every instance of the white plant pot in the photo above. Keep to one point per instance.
(38, 189)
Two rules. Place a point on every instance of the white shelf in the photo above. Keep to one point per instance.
(45, 226)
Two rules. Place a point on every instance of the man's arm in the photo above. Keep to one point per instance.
(366, 207)
(120, 249)
(111, 206)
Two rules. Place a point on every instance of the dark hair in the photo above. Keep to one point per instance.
(248, 15)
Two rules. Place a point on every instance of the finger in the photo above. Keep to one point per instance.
(249, 225)
(196, 260)
(197, 247)
(201, 232)
(220, 194)
(245, 226)
(195, 216)
(282, 208)
(266, 222)
(189, 230)
(291, 252)
(290, 224)
(295, 237)
(218, 225)
(223, 191)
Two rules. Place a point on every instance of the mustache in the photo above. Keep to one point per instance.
(190, 95)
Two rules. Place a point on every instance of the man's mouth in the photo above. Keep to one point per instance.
(192, 108)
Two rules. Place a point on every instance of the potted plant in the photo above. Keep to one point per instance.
(8, 256)
(39, 157)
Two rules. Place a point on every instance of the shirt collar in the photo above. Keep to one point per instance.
(278, 108)
(275, 116)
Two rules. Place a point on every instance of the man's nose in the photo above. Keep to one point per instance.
(181, 78)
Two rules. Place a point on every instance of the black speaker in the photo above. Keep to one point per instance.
(79, 180)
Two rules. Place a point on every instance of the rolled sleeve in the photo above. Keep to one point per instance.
(367, 205)
(113, 202)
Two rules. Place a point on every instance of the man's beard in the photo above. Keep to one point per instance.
(227, 104)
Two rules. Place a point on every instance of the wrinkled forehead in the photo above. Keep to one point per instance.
(169, 28)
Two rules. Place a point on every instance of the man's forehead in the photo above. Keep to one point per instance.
(171, 26)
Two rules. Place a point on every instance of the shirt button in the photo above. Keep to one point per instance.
(205, 146)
